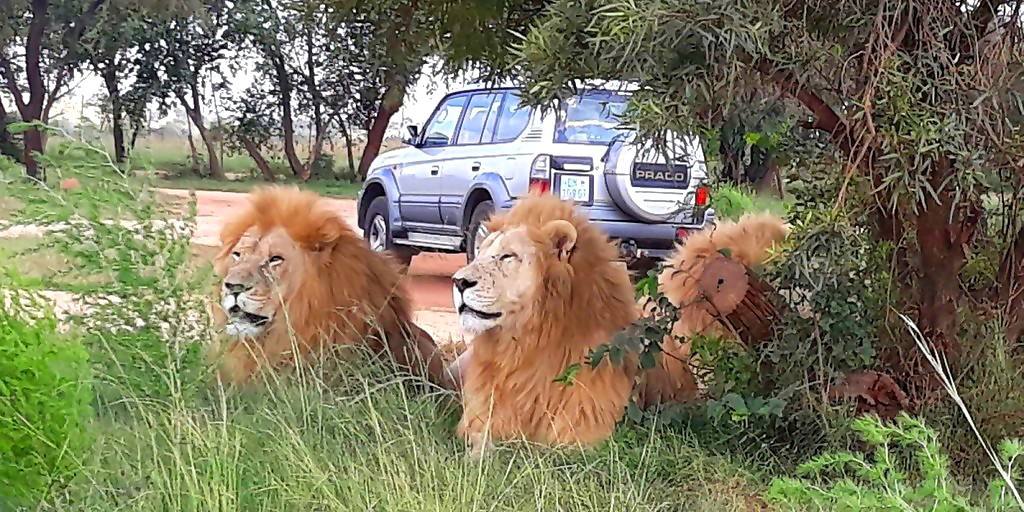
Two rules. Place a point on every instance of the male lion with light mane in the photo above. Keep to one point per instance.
(297, 281)
(543, 291)
(748, 241)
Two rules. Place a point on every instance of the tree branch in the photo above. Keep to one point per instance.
(76, 30)
(825, 118)
(12, 86)
(983, 14)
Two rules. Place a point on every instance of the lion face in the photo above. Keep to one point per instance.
(260, 275)
(500, 285)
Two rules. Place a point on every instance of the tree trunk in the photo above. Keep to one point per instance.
(33, 110)
(113, 91)
(284, 85)
(192, 146)
(195, 113)
(941, 257)
(1011, 284)
(261, 163)
(314, 91)
(348, 147)
(375, 135)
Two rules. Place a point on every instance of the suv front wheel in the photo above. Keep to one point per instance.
(476, 231)
(378, 232)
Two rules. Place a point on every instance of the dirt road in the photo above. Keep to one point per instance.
(429, 277)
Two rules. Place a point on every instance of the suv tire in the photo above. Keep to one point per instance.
(378, 232)
(476, 231)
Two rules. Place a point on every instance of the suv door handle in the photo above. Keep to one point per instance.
(475, 167)
(435, 170)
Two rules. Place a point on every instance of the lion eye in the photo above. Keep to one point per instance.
(236, 255)
(506, 257)
(275, 260)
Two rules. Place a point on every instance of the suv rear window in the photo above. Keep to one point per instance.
(512, 119)
(593, 117)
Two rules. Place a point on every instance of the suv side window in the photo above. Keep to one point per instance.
(477, 115)
(440, 130)
(512, 118)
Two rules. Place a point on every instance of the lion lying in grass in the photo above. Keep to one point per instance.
(296, 280)
(748, 241)
(543, 291)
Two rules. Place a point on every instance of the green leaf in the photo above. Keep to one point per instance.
(647, 360)
(22, 127)
(568, 376)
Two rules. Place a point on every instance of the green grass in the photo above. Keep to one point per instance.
(37, 265)
(366, 441)
(341, 189)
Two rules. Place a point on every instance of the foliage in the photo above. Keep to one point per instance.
(907, 470)
(731, 202)
(45, 395)
(888, 92)
(141, 317)
(834, 283)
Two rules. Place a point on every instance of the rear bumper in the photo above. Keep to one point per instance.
(637, 239)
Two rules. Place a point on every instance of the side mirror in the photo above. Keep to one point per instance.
(434, 140)
(414, 134)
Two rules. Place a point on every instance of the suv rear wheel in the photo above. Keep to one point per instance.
(476, 231)
(378, 232)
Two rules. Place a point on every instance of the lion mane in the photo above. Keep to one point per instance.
(580, 300)
(347, 295)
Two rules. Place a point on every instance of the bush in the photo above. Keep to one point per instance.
(45, 395)
(907, 471)
(130, 262)
(731, 202)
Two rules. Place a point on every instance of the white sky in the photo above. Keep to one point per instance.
(419, 102)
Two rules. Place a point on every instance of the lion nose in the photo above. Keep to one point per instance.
(462, 284)
(236, 288)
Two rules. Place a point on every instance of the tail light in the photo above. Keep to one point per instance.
(703, 196)
(540, 174)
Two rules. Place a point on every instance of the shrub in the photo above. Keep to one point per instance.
(45, 395)
(906, 471)
(731, 202)
(132, 265)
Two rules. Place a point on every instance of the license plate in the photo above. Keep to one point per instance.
(574, 188)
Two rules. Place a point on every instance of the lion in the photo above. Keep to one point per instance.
(296, 281)
(543, 291)
(748, 241)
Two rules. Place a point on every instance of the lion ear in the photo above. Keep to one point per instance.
(329, 231)
(562, 235)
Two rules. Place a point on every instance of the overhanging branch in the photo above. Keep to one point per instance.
(825, 118)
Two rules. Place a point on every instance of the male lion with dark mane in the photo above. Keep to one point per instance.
(297, 281)
(544, 290)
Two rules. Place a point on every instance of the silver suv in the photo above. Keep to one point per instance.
(482, 149)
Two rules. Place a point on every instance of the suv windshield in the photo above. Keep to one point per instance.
(591, 118)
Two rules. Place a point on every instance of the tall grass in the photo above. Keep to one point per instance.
(364, 440)
(937, 360)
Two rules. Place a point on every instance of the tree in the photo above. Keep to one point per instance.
(177, 58)
(254, 125)
(917, 99)
(47, 36)
(276, 39)
(107, 49)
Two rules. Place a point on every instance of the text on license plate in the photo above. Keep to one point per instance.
(574, 188)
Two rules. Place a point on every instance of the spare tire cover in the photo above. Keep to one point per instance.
(649, 202)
